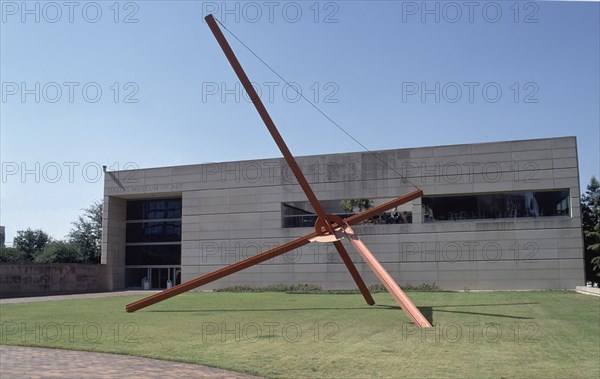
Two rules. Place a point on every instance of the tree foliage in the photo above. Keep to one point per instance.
(30, 242)
(81, 246)
(590, 220)
(12, 255)
(59, 252)
(86, 234)
(596, 263)
(349, 205)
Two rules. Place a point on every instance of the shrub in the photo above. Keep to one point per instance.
(294, 288)
(314, 289)
(12, 255)
(58, 252)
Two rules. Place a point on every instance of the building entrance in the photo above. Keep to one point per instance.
(152, 277)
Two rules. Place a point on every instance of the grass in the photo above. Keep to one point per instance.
(550, 334)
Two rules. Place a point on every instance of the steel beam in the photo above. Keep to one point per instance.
(327, 220)
(354, 272)
(262, 111)
(279, 250)
(375, 211)
(386, 279)
(218, 274)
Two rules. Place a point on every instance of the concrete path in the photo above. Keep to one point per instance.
(72, 297)
(29, 362)
(594, 291)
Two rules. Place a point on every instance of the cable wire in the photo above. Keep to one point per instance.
(315, 106)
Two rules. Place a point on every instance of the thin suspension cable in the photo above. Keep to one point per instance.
(315, 107)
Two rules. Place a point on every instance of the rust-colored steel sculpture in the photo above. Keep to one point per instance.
(264, 256)
(386, 279)
(328, 228)
(262, 111)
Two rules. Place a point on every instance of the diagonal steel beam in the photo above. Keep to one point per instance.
(354, 272)
(262, 111)
(386, 279)
(282, 249)
(218, 274)
(259, 258)
(375, 211)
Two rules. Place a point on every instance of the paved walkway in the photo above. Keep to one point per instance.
(32, 299)
(29, 362)
(594, 291)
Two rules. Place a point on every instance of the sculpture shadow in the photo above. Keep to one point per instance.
(426, 311)
(263, 309)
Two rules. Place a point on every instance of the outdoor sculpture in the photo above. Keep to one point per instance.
(328, 228)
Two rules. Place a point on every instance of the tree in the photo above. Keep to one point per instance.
(347, 205)
(30, 242)
(11, 255)
(596, 263)
(86, 234)
(362, 204)
(58, 252)
(590, 221)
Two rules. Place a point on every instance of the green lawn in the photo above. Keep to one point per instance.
(496, 334)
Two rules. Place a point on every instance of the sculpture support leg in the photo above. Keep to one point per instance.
(354, 272)
(393, 288)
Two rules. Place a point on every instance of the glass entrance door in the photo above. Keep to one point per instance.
(152, 277)
(158, 278)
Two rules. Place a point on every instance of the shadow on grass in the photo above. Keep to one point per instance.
(427, 311)
(482, 305)
(259, 310)
(477, 313)
(486, 314)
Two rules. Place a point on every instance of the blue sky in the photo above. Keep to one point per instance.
(164, 81)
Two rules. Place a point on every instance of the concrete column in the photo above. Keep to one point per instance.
(113, 241)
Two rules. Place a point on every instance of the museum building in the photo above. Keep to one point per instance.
(494, 216)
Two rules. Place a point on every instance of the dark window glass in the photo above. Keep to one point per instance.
(162, 231)
(296, 217)
(153, 209)
(501, 205)
(300, 214)
(134, 277)
(153, 255)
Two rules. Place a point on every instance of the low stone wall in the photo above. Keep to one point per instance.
(51, 279)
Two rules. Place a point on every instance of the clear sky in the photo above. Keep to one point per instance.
(500, 70)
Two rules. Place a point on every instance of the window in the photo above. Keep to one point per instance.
(499, 205)
(154, 209)
(153, 255)
(295, 217)
(301, 214)
(153, 232)
(162, 231)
